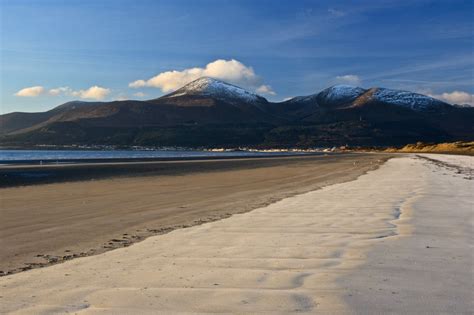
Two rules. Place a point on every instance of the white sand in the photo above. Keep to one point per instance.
(459, 160)
(431, 270)
(318, 252)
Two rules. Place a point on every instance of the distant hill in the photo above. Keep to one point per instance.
(209, 112)
(18, 121)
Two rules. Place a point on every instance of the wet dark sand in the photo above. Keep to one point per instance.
(85, 209)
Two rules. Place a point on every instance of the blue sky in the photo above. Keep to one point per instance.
(95, 49)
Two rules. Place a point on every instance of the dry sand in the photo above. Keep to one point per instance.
(429, 267)
(398, 239)
(68, 219)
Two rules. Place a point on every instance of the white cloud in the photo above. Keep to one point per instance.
(349, 79)
(60, 90)
(32, 91)
(456, 97)
(139, 94)
(231, 71)
(265, 89)
(94, 92)
(138, 84)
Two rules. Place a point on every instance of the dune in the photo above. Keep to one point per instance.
(459, 147)
(317, 252)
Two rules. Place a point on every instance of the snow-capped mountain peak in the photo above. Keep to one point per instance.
(347, 95)
(341, 92)
(206, 86)
(334, 94)
(407, 99)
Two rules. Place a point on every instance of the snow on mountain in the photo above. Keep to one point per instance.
(346, 93)
(350, 95)
(407, 99)
(308, 98)
(211, 87)
(339, 94)
(334, 94)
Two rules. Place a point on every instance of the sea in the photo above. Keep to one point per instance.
(73, 155)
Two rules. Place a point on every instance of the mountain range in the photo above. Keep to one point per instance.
(209, 113)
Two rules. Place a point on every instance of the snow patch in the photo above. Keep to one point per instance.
(308, 98)
(407, 99)
(215, 88)
(343, 92)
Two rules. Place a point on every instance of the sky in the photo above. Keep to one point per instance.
(52, 52)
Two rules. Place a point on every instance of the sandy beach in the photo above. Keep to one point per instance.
(428, 267)
(395, 240)
(86, 209)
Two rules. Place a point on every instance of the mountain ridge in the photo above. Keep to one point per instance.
(204, 107)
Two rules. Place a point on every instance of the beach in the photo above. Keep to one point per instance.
(428, 267)
(83, 209)
(391, 238)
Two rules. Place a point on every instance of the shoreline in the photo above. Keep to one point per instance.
(27, 172)
(293, 180)
(91, 161)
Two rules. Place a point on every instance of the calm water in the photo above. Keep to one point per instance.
(58, 155)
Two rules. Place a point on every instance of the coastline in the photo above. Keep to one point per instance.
(34, 172)
(115, 205)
